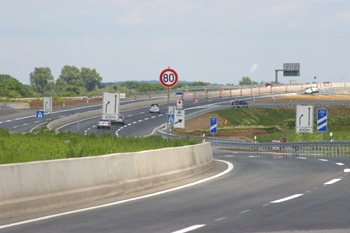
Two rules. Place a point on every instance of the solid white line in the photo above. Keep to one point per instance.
(332, 181)
(340, 164)
(191, 228)
(323, 160)
(229, 169)
(287, 198)
(244, 211)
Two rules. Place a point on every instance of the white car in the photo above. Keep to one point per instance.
(314, 89)
(103, 124)
(308, 90)
(155, 108)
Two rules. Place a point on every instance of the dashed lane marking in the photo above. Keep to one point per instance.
(287, 198)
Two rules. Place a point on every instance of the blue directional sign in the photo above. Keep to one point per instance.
(171, 117)
(321, 120)
(40, 114)
(213, 125)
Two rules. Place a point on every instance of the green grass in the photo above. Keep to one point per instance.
(47, 145)
(280, 123)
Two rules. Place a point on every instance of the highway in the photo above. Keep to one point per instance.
(258, 195)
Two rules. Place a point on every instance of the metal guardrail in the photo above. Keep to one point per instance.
(6, 109)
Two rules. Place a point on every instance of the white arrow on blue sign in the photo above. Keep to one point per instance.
(213, 125)
(321, 120)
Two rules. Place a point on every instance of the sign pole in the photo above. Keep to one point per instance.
(168, 125)
(168, 78)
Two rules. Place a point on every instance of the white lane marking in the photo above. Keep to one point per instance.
(287, 198)
(0, 122)
(129, 124)
(219, 219)
(324, 160)
(146, 119)
(15, 127)
(340, 164)
(142, 113)
(130, 115)
(25, 124)
(191, 228)
(244, 211)
(153, 117)
(347, 170)
(229, 169)
(301, 158)
(140, 120)
(134, 122)
(8, 121)
(332, 181)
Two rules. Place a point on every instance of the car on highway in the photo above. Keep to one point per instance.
(103, 124)
(268, 85)
(238, 103)
(179, 94)
(155, 108)
(314, 89)
(311, 90)
(308, 90)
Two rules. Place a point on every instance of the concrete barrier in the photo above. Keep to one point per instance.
(34, 187)
(16, 105)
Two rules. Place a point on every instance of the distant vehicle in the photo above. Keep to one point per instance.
(268, 85)
(155, 108)
(179, 94)
(237, 103)
(311, 90)
(326, 82)
(314, 89)
(308, 90)
(103, 124)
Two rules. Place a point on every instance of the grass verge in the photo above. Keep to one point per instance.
(47, 145)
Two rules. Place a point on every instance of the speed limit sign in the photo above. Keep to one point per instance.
(168, 78)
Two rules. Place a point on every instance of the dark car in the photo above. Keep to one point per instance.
(239, 103)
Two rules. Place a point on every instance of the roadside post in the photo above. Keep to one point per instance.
(213, 125)
(168, 78)
(322, 121)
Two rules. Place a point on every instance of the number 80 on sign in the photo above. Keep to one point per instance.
(168, 78)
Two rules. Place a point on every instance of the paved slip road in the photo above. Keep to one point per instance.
(259, 195)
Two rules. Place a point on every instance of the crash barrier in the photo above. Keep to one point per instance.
(6, 109)
(47, 185)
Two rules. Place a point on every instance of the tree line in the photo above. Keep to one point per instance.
(73, 82)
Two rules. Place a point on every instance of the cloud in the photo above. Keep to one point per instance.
(254, 67)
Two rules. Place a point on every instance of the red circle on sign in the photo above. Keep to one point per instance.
(168, 78)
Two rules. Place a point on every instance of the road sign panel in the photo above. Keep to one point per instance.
(304, 119)
(40, 114)
(110, 105)
(170, 117)
(322, 120)
(179, 119)
(168, 78)
(179, 104)
(47, 104)
(213, 124)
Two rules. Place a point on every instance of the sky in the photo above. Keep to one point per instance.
(217, 41)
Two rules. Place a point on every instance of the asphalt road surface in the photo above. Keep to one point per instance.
(280, 194)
